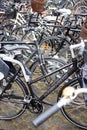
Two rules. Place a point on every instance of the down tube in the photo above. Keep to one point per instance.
(57, 83)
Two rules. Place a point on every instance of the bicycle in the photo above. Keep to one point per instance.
(15, 100)
(70, 100)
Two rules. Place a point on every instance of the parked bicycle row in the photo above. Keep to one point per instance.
(42, 61)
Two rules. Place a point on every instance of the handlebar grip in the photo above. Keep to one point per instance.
(45, 115)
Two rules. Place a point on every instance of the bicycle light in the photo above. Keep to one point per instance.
(68, 92)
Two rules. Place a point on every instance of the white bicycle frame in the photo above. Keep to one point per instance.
(11, 59)
(19, 20)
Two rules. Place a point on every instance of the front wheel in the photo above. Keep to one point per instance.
(76, 111)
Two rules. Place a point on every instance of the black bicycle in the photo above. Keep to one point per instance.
(71, 98)
(16, 97)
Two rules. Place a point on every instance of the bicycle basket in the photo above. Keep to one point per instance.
(4, 69)
(37, 5)
(83, 32)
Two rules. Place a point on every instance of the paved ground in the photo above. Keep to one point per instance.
(24, 122)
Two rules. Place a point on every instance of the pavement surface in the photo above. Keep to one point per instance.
(24, 122)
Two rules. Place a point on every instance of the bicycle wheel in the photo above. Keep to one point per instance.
(28, 37)
(81, 9)
(51, 5)
(18, 32)
(11, 102)
(51, 45)
(51, 64)
(75, 112)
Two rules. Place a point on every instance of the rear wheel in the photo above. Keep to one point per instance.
(11, 101)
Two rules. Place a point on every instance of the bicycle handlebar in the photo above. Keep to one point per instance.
(44, 116)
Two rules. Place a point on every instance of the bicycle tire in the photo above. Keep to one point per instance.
(75, 112)
(11, 102)
(51, 64)
(51, 45)
(18, 32)
(81, 9)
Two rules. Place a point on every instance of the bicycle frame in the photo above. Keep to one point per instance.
(58, 82)
(10, 58)
(55, 84)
